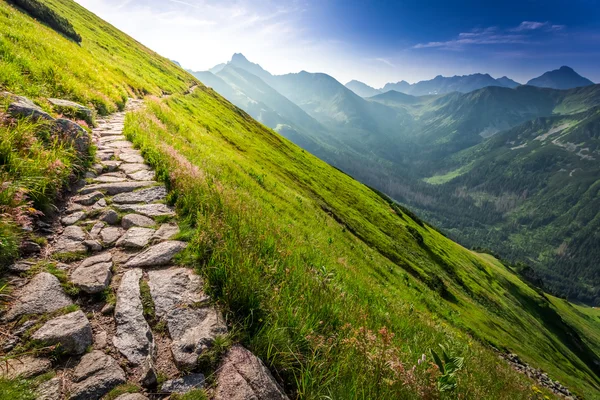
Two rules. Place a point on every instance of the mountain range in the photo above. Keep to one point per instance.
(563, 78)
(413, 148)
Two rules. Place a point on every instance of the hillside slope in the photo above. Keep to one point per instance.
(316, 272)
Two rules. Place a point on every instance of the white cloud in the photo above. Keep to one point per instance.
(529, 26)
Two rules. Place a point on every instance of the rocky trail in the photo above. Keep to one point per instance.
(105, 303)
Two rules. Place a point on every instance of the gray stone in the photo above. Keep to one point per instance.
(75, 134)
(96, 229)
(177, 295)
(243, 376)
(131, 158)
(157, 255)
(113, 138)
(73, 208)
(71, 240)
(133, 338)
(183, 385)
(136, 238)
(132, 396)
(50, 390)
(142, 175)
(109, 179)
(96, 375)
(130, 220)
(89, 175)
(21, 266)
(72, 332)
(83, 112)
(165, 232)
(111, 165)
(149, 375)
(116, 188)
(131, 168)
(100, 340)
(110, 234)
(110, 217)
(99, 204)
(23, 107)
(119, 144)
(108, 308)
(92, 245)
(73, 218)
(98, 168)
(28, 247)
(41, 295)
(105, 155)
(149, 210)
(142, 196)
(93, 275)
(24, 367)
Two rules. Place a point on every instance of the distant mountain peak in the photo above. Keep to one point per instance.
(362, 89)
(238, 57)
(563, 78)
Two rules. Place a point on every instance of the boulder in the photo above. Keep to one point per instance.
(73, 109)
(73, 218)
(96, 375)
(130, 220)
(23, 107)
(41, 295)
(136, 238)
(96, 229)
(184, 384)
(24, 367)
(133, 338)
(142, 196)
(243, 376)
(157, 255)
(70, 241)
(72, 332)
(116, 188)
(110, 234)
(28, 247)
(75, 134)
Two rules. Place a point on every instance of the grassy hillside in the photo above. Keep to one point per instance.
(317, 273)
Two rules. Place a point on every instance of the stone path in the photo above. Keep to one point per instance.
(136, 316)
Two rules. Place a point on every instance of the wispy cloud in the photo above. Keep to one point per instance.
(521, 34)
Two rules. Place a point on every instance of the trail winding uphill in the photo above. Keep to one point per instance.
(108, 295)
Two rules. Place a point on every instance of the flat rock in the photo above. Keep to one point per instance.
(142, 196)
(177, 295)
(92, 245)
(88, 199)
(116, 188)
(41, 295)
(142, 175)
(149, 210)
(60, 105)
(132, 396)
(133, 338)
(100, 340)
(24, 367)
(73, 208)
(108, 179)
(119, 144)
(165, 232)
(99, 204)
(131, 168)
(93, 275)
(112, 138)
(110, 217)
(50, 390)
(157, 255)
(21, 266)
(71, 240)
(184, 384)
(131, 158)
(136, 237)
(96, 375)
(73, 218)
(72, 332)
(110, 234)
(243, 376)
(130, 220)
(96, 229)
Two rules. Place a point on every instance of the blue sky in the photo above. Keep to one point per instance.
(374, 41)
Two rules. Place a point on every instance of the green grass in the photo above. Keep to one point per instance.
(307, 260)
(337, 290)
(448, 176)
(18, 389)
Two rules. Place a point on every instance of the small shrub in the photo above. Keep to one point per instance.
(46, 15)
